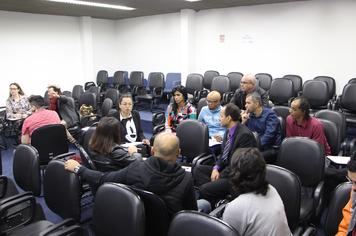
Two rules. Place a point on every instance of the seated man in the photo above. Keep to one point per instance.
(265, 122)
(210, 115)
(214, 180)
(40, 117)
(348, 222)
(300, 123)
(248, 85)
(159, 174)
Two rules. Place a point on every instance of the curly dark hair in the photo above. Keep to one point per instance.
(304, 106)
(351, 165)
(248, 172)
(183, 91)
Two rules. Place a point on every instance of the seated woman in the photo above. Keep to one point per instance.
(105, 149)
(17, 109)
(130, 120)
(180, 109)
(257, 208)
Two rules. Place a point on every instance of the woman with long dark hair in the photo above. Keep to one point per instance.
(257, 208)
(105, 148)
(180, 109)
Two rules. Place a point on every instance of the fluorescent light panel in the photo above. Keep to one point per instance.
(193, 0)
(94, 4)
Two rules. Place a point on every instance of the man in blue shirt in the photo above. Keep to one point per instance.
(210, 115)
(265, 122)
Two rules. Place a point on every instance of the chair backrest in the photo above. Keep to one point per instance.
(156, 212)
(235, 79)
(281, 91)
(118, 210)
(282, 123)
(297, 83)
(202, 103)
(293, 155)
(87, 136)
(158, 118)
(317, 93)
(77, 91)
(172, 81)
(193, 138)
(113, 94)
(208, 78)
(67, 93)
(136, 79)
(50, 141)
(332, 134)
(258, 140)
(194, 83)
(264, 80)
(62, 191)
(26, 169)
(102, 77)
(195, 223)
(119, 78)
(338, 200)
(352, 81)
(221, 84)
(288, 187)
(106, 106)
(282, 111)
(337, 117)
(156, 80)
(348, 98)
(88, 98)
(331, 84)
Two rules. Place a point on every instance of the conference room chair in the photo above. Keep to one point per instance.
(317, 93)
(136, 82)
(235, 79)
(281, 91)
(67, 93)
(193, 223)
(156, 213)
(264, 80)
(202, 102)
(305, 157)
(195, 88)
(102, 80)
(77, 91)
(88, 98)
(332, 135)
(346, 103)
(352, 81)
(297, 83)
(156, 86)
(221, 84)
(120, 79)
(49, 141)
(282, 111)
(288, 187)
(338, 200)
(118, 210)
(331, 85)
(172, 81)
(114, 95)
(193, 140)
(208, 77)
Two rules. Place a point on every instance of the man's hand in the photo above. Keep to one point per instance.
(217, 137)
(245, 116)
(71, 165)
(214, 175)
(146, 141)
(132, 149)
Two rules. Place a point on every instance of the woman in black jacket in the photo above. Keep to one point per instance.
(105, 149)
(130, 120)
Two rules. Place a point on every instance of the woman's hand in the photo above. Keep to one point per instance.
(146, 141)
(132, 149)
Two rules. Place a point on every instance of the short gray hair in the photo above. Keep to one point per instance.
(256, 97)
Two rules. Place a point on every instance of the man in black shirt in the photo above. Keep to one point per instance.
(159, 174)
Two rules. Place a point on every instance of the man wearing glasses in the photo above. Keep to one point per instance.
(210, 115)
(248, 85)
(347, 225)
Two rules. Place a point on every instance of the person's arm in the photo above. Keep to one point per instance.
(137, 121)
(241, 208)
(189, 200)
(9, 111)
(289, 123)
(25, 139)
(192, 112)
(121, 157)
(168, 125)
(272, 126)
(63, 99)
(201, 115)
(246, 140)
(346, 217)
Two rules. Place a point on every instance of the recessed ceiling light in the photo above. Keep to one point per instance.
(193, 0)
(94, 4)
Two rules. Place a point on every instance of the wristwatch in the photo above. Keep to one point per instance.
(76, 169)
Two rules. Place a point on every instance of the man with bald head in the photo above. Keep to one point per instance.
(210, 115)
(159, 174)
(248, 84)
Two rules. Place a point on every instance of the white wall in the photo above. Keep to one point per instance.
(308, 38)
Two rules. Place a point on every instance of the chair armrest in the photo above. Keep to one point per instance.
(158, 128)
(199, 160)
(218, 212)
(62, 156)
(11, 212)
(67, 226)
(298, 231)
(3, 185)
(318, 197)
(309, 231)
(13, 198)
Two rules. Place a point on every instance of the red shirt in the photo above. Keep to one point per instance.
(311, 128)
(39, 119)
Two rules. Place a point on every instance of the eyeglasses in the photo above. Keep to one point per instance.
(350, 180)
(212, 101)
